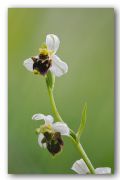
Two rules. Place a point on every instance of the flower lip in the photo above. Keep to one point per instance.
(54, 142)
(42, 64)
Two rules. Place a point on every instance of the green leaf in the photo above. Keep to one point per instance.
(50, 80)
(82, 122)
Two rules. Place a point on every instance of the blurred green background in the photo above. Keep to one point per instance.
(87, 45)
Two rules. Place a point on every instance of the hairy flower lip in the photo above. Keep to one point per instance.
(80, 167)
(54, 142)
(56, 66)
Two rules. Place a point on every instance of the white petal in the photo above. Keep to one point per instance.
(58, 67)
(38, 117)
(103, 170)
(40, 137)
(62, 128)
(80, 167)
(52, 42)
(48, 119)
(28, 63)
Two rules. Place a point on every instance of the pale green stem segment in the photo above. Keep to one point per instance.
(85, 158)
(72, 136)
(54, 108)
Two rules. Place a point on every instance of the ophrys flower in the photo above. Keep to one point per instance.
(49, 134)
(46, 59)
(80, 167)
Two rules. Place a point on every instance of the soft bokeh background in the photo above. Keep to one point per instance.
(87, 45)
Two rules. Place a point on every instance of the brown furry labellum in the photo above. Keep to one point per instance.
(42, 63)
(54, 142)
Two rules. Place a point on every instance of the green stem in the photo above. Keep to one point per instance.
(72, 134)
(85, 158)
(54, 108)
(82, 152)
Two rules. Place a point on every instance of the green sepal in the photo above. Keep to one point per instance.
(50, 80)
(82, 122)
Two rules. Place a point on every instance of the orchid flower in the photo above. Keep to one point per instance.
(47, 59)
(80, 167)
(49, 134)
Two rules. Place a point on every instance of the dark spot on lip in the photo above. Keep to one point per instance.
(42, 63)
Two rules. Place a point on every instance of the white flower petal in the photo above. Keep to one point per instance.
(80, 167)
(103, 170)
(28, 63)
(40, 137)
(48, 119)
(62, 128)
(52, 42)
(58, 67)
(38, 117)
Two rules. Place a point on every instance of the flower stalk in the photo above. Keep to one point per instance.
(54, 108)
(85, 158)
(72, 136)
